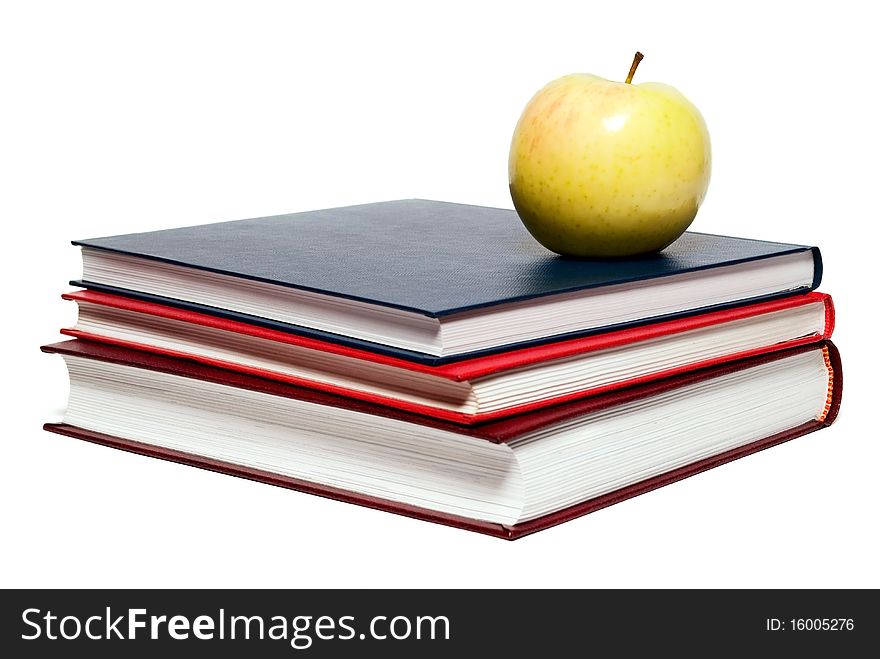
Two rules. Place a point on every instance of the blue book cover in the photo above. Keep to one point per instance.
(435, 259)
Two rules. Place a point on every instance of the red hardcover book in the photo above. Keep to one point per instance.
(470, 390)
(507, 478)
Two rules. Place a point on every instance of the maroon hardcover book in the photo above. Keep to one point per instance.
(500, 431)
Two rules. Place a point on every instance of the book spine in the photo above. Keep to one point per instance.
(817, 268)
(830, 317)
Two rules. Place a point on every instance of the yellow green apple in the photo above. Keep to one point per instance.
(608, 169)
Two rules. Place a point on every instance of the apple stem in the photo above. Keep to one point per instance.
(632, 70)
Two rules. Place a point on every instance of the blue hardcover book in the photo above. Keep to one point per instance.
(432, 281)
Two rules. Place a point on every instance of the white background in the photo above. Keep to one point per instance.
(122, 117)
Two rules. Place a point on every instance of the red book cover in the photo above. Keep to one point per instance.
(466, 370)
(499, 431)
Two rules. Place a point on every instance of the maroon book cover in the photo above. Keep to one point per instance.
(503, 430)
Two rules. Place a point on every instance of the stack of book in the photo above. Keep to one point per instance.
(431, 359)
